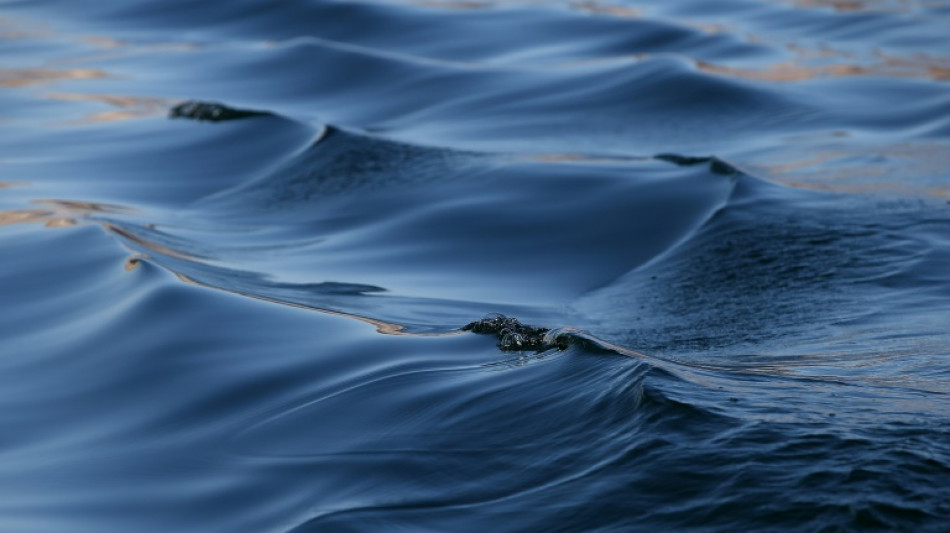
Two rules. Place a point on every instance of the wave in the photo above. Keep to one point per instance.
(416, 222)
(729, 222)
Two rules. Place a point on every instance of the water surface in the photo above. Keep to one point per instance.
(738, 212)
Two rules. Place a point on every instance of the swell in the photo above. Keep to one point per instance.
(565, 431)
(327, 225)
(351, 196)
(349, 182)
(486, 428)
(720, 352)
(714, 78)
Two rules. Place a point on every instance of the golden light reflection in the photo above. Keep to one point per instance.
(856, 6)
(86, 207)
(128, 107)
(818, 61)
(898, 169)
(386, 328)
(109, 48)
(61, 223)
(60, 214)
(109, 43)
(147, 244)
(25, 216)
(133, 262)
(50, 219)
(25, 77)
(886, 66)
(867, 188)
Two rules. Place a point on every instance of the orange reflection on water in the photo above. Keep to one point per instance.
(49, 218)
(109, 48)
(865, 188)
(386, 328)
(60, 214)
(133, 262)
(145, 243)
(25, 216)
(857, 6)
(129, 107)
(86, 207)
(25, 77)
(917, 66)
(903, 169)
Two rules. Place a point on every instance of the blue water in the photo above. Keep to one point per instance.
(734, 217)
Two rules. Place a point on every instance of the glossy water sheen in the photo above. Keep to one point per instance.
(741, 207)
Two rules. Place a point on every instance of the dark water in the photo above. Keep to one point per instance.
(738, 209)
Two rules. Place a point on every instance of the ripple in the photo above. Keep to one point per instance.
(727, 220)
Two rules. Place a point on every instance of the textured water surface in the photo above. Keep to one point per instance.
(241, 242)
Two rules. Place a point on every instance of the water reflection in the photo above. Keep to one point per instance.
(111, 49)
(61, 213)
(858, 6)
(918, 66)
(613, 10)
(860, 168)
(68, 213)
(19, 30)
(594, 7)
(154, 377)
(129, 107)
(32, 216)
(26, 77)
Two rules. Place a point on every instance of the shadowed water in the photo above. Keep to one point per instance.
(243, 246)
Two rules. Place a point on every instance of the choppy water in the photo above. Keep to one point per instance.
(738, 209)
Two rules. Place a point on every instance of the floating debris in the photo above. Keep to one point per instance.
(212, 112)
(512, 334)
(716, 165)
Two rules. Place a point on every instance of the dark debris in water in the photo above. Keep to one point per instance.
(211, 112)
(716, 165)
(512, 334)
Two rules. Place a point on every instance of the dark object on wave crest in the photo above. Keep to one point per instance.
(512, 334)
(212, 111)
(716, 165)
